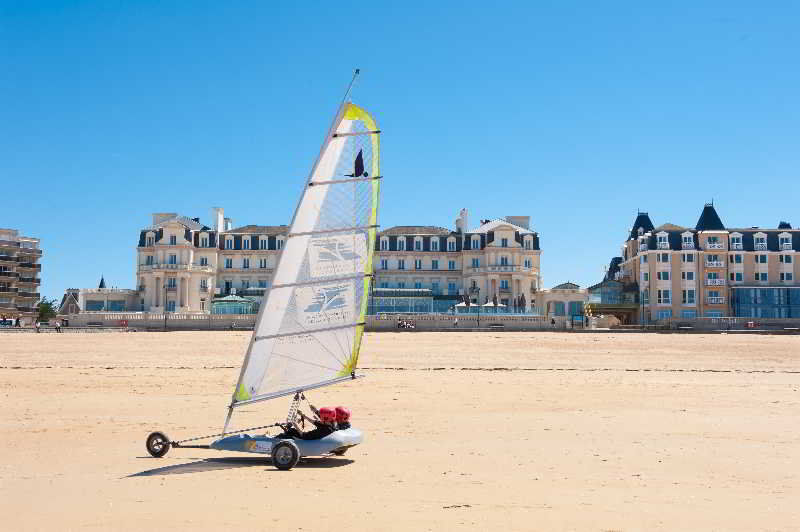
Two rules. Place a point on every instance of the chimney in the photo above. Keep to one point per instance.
(462, 222)
(218, 219)
(228, 224)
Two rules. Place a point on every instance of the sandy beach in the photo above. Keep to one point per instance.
(483, 431)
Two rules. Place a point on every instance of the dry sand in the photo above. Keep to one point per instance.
(569, 432)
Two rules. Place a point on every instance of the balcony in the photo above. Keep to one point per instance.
(29, 266)
(715, 300)
(786, 246)
(663, 245)
(737, 246)
(203, 288)
(715, 282)
(29, 294)
(642, 247)
(715, 245)
(5, 290)
(497, 268)
(715, 264)
(30, 280)
(504, 290)
(166, 266)
(31, 251)
(687, 245)
(761, 246)
(9, 274)
(9, 244)
(8, 258)
(474, 289)
(172, 289)
(26, 309)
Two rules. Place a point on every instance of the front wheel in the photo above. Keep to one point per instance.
(157, 444)
(285, 455)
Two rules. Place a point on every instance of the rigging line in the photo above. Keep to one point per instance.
(337, 181)
(303, 361)
(326, 231)
(356, 72)
(323, 281)
(331, 353)
(309, 331)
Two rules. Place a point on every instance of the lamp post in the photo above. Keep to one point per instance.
(165, 306)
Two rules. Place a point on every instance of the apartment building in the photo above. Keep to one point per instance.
(182, 264)
(497, 259)
(19, 274)
(711, 270)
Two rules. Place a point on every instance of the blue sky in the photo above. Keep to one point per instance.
(575, 113)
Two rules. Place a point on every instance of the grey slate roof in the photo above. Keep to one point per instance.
(643, 221)
(183, 220)
(709, 220)
(271, 230)
(566, 286)
(413, 230)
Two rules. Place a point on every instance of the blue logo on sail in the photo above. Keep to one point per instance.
(335, 250)
(328, 299)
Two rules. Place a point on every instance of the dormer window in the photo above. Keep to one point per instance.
(417, 244)
(476, 243)
(228, 243)
(150, 240)
(451, 244)
(245, 243)
(401, 243)
(785, 241)
(760, 240)
(173, 240)
(434, 244)
(203, 240)
(663, 242)
(279, 242)
(528, 243)
(736, 241)
(687, 241)
(263, 243)
(713, 242)
(503, 242)
(384, 244)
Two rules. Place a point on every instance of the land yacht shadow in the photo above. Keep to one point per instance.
(216, 464)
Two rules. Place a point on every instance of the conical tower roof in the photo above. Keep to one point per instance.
(102, 282)
(709, 219)
(643, 222)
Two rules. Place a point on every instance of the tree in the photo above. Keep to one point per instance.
(47, 308)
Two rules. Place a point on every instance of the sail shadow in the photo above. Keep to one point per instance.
(207, 464)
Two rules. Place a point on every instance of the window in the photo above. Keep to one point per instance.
(528, 243)
(279, 243)
(262, 283)
(761, 276)
(228, 243)
(173, 240)
(687, 297)
(664, 314)
(262, 244)
(149, 241)
(229, 263)
(736, 242)
(644, 259)
(736, 276)
(435, 287)
(451, 289)
(528, 263)
(171, 305)
(417, 285)
(736, 259)
(148, 260)
(503, 242)
(662, 276)
(417, 264)
(434, 244)
(787, 276)
(245, 283)
(262, 263)
(203, 261)
(662, 242)
(761, 259)
(245, 243)
(417, 245)
(434, 264)
(503, 261)
(384, 244)
(687, 257)
(476, 243)
(688, 314)
(245, 264)
(204, 284)
(451, 245)
(476, 263)
(645, 296)
(173, 259)
(384, 264)
(171, 282)
(713, 314)
(384, 284)
(204, 242)
(786, 259)
(663, 297)
(451, 265)
(645, 276)
(401, 284)
(401, 244)
(401, 264)
(688, 240)
(504, 284)
(662, 257)
(687, 276)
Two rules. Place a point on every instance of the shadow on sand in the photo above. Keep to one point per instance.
(215, 464)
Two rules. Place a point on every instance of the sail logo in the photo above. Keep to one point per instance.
(325, 304)
(337, 255)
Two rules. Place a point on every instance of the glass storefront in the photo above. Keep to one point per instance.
(772, 302)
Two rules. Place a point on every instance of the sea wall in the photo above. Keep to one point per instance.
(438, 322)
(155, 321)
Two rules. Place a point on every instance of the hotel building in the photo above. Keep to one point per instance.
(19, 274)
(711, 270)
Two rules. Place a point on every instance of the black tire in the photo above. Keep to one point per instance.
(285, 455)
(157, 444)
(340, 452)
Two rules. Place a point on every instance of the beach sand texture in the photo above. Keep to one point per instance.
(483, 431)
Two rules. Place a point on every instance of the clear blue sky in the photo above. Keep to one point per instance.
(575, 113)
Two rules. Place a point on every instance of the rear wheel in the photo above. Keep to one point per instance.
(285, 455)
(340, 452)
(157, 444)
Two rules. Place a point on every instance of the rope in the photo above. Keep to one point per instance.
(224, 433)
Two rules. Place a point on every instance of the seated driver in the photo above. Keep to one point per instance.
(322, 428)
(342, 418)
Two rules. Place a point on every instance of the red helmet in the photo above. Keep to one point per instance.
(342, 414)
(327, 415)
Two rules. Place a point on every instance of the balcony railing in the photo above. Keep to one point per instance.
(715, 264)
(9, 243)
(26, 309)
(499, 268)
(9, 274)
(504, 290)
(761, 247)
(172, 289)
(167, 266)
(786, 246)
(8, 258)
(715, 245)
(642, 247)
(30, 251)
(30, 280)
(715, 300)
(28, 294)
(687, 245)
(30, 266)
(8, 290)
(663, 245)
(715, 282)
(203, 288)
(737, 246)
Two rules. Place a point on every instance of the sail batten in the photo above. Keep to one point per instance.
(310, 325)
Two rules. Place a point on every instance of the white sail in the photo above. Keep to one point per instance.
(309, 328)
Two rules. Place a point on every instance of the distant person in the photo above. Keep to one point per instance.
(342, 418)
(16, 323)
(58, 326)
(37, 325)
(552, 322)
(455, 322)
